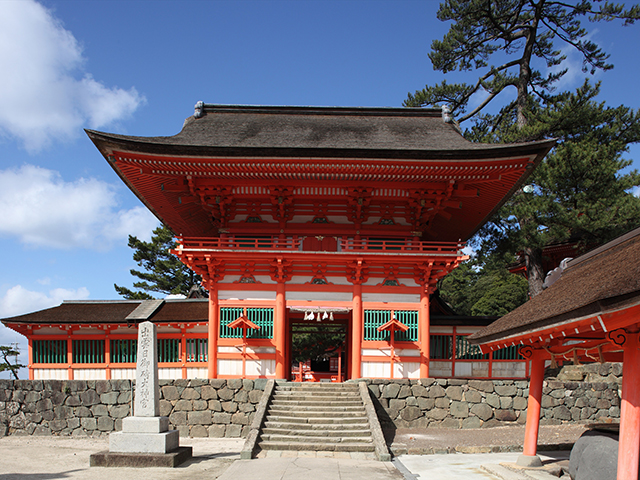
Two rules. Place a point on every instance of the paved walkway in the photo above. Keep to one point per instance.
(44, 458)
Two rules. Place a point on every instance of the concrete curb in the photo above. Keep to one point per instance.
(382, 452)
(258, 419)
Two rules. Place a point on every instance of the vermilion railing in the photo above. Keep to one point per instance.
(400, 246)
(345, 245)
(260, 243)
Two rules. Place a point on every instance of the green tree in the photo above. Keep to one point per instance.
(164, 273)
(564, 199)
(6, 352)
(483, 288)
(517, 33)
(580, 191)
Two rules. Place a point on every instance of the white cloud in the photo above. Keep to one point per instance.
(18, 300)
(43, 210)
(45, 94)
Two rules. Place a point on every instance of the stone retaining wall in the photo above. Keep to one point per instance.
(225, 408)
(456, 403)
(197, 408)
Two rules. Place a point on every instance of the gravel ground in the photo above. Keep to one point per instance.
(44, 458)
(482, 440)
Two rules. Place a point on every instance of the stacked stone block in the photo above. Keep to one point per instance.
(225, 408)
(457, 403)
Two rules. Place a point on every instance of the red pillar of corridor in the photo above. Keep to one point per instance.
(425, 335)
(529, 455)
(629, 440)
(212, 336)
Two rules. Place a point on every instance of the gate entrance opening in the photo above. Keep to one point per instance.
(318, 346)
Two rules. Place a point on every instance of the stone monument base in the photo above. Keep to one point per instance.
(143, 442)
(144, 435)
(141, 460)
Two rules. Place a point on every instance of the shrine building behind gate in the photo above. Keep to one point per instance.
(343, 218)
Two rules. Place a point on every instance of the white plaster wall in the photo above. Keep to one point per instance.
(253, 367)
(169, 373)
(50, 374)
(508, 369)
(123, 373)
(382, 370)
(89, 374)
(198, 372)
(319, 296)
(439, 369)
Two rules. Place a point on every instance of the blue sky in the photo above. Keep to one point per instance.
(139, 67)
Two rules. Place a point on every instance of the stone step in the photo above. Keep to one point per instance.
(317, 432)
(328, 427)
(316, 394)
(316, 403)
(316, 413)
(317, 447)
(315, 420)
(316, 439)
(328, 409)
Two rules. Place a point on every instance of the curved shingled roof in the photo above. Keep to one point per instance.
(605, 279)
(335, 131)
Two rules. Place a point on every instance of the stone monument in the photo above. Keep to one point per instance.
(145, 439)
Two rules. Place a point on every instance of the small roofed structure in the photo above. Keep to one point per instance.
(592, 313)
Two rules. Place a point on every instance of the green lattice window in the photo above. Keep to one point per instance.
(508, 353)
(197, 349)
(124, 351)
(169, 350)
(88, 351)
(441, 347)
(464, 351)
(263, 317)
(49, 351)
(376, 318)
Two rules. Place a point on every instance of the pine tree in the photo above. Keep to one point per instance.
(164, 273)
(521, 34)
(582, 190)
(5, 363)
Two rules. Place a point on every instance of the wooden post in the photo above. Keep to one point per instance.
(30, 362)
(629, 440)
(424, 333)
(529, 458)
(279, 331)
(355, 368)
(213, 331)
(107, 355)
(69, 357)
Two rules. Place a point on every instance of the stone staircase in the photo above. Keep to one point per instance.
(316, 417)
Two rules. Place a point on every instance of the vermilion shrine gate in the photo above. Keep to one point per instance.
(348, 216)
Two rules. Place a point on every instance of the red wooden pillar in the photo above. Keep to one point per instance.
(213, 331)
(529, 457)
(280, 331)
(424, 333)
(107, 354)
(355, 368)
(629, 441)
(183, 352)
(30, 361)
(69, 357)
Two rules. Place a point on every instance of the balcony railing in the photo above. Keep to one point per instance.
(347, 245)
